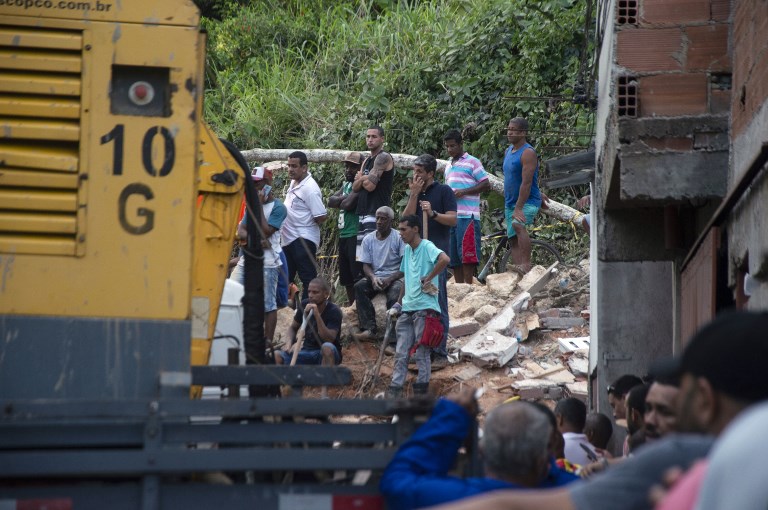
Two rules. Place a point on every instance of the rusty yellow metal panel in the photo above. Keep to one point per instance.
(215, 225)
(36, 38)
(43, 223)
(46, 61)
(28, 129)
(145, 12)
(48, 245)
(33, 200)
(26, 83)
(137, 181)
(14, 177)
(36, 156)
(39, 106)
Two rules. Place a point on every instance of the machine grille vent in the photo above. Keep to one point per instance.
(41, 203)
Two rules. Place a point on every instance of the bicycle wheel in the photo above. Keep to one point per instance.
(542, 254)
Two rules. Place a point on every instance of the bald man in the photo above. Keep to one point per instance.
(380, 255)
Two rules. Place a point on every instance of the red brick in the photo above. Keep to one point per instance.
(674, 12)
(708, 48)
(721, 9)
(750, 66)
(669, 95)
(643, 50)
(669, 144)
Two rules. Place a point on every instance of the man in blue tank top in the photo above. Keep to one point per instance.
(522, 198)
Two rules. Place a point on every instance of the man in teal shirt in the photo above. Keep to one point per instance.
(421, 265)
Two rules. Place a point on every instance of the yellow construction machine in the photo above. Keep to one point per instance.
(118, 209)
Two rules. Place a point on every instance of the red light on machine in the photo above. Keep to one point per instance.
(141, 93)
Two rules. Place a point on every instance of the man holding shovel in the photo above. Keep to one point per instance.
(437, 205)
(418, 327)
(320, 322)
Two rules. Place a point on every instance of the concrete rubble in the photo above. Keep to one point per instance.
(490, 349)
(512, 335)
(501, 340)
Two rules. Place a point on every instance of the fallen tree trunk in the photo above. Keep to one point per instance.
(274, 158)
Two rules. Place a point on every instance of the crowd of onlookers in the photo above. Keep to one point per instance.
(689, 429)
(438, 228)
(693, 427)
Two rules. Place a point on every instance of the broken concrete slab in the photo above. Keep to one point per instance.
(457, 291)
(468, 373)
(537, 278)
(504, 322)
(490, 349)
(578, 365)
(537, 389)
(502, 285)
(554, 373)
(471, 303)
(562, 322)
(485, 313)
(521, 301)
(556, 312)
(578, 389)
(560, 377)
(463, 327)
(573, 344)
(528, 322)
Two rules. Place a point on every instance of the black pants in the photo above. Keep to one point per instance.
(300, 255)
(364, 292)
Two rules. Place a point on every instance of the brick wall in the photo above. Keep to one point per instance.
(678, 54)
(750, 62)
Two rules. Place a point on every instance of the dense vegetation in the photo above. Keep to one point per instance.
(317, 73)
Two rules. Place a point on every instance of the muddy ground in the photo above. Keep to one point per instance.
(539, 371)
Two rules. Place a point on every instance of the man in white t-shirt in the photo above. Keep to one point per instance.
(301, 229)
(571, 414)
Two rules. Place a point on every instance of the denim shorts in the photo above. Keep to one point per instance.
(270, 288)
(529, 211)
(313, 357)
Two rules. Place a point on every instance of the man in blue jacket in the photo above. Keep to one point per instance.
(514, 447)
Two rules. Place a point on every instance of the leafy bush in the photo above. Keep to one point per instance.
(317, 73)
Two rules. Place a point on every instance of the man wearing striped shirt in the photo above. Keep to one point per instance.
(467, 178)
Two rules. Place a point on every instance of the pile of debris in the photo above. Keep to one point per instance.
(512, 336)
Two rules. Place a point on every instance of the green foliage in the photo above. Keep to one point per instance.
(317, 73)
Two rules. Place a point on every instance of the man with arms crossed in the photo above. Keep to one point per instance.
(346, 201)
(373, 183)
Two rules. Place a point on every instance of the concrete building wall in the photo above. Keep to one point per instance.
(639, 327)
(662, 163)
(677, 59)
(748, 222)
